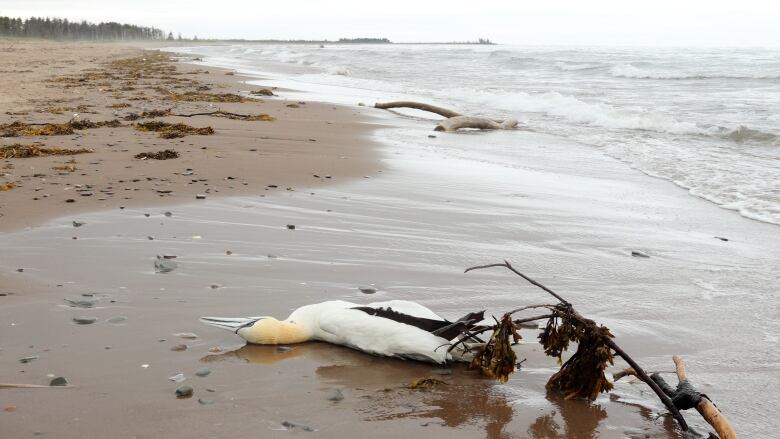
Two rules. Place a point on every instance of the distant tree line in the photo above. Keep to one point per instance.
(364, 40)
(62, 29)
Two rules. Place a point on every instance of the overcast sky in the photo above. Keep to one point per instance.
(539, 22)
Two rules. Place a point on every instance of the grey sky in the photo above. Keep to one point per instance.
(541, 22)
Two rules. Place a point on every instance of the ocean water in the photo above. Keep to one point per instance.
(706, 119)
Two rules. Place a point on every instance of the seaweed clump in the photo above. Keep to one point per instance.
(497, 359)
(7, 186)
(18, 150)
(165, 154)
(196, 96)
(173, 130)
(582, 375)
(18, 128)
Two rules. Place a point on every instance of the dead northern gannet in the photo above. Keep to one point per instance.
(396, 328)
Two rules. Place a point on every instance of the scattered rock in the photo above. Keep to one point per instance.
(283, 349)
(291, 226)
(150, 238)
(228, 252)
(59, 382)
(722, 238)
(117, 320)
(184, 392)
(215, 349)
(203, 372)
(335, 395)
(368, 290)
(70, 200)
(290, 425)
(168, 214)
(179, 347)
(178, 378)
(638, 254)
(163, 265)
(84, 320)
(202, 401)
(81, 303)
(20, 270)
(200, 196)
(187, 335)
(26, 360)
(431, 136)
(78, 223)
(215, 286)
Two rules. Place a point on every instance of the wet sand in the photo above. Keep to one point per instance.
(408, 231)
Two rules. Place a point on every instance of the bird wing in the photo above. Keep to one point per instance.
(407, 307)
(380, 336)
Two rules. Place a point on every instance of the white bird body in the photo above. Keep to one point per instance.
(342, 323)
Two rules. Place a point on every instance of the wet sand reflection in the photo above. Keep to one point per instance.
(465, 401)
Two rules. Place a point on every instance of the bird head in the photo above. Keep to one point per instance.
(268, 330)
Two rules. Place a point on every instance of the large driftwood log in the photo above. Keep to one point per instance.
(455, 120)
(417, 106)
(480, 123)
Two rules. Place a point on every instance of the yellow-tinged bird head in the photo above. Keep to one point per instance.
(268, 330)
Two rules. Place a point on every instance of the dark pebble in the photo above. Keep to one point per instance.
(202, 401)
(59, 381)
(26, 360)
(638, 254)
(722, 238)
(368, 290)
(203, 372)
(184, 392)
(84, 320)
(291, 226)
(179, 347)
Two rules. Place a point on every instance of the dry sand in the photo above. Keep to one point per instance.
(119, 368)
(242, 157)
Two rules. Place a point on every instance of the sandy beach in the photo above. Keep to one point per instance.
(377, 201)
(44, 82)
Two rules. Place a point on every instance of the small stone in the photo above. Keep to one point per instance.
(20, 270)
(368, 290)
(228, 252)
(162, 265)
(84, 320)
(70, 200)
(200, 196)
(638, 254)
(202, 401)
(81, 303)
(117, 319)
(179, 347)
(215, 286)
(284, 349)
(184, 392)
(78, 223)
(291, 226)
(147, 215)
(187, 335)
(211, 390)
(150, 238)
(26, 360)
(431, 136)
(168, 214)
(179, 377)
(722, 238)
(335, 395)
(290, 425)
(215, 349)
(203, 372)
(59, 382)
(9, 408)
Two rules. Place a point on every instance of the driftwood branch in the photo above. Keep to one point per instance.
(480, 123)
(571, 313)
(29, 386)
(454, 120)
(418, 106)
(685, 396)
